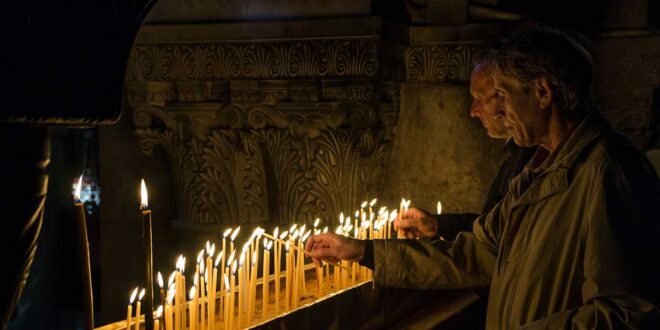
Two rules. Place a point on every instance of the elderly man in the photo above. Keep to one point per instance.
(417, 223)
(574, 243)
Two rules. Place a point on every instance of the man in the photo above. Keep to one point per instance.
(417, 223)
(574, 243)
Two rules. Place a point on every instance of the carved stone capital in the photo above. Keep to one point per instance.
(450, 62)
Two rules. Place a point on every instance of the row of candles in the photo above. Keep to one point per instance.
(224, 284)
(227, 298)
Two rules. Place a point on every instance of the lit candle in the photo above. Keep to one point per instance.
(287, 279)
(439, 207)
(83, 254)
(241, 288)
(129, 312)
(265, 275)
(169, 321)
(159, 312)
(148, 259)
(278, 265)
(137, 310)
(232, 295)
(252, 299)
(226, 304)
(162, 290)
(192, 308)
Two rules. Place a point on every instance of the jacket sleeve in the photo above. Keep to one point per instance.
(450, 224)
(466, 262)
(620, 257)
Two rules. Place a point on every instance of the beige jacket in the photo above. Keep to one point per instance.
(574, 244)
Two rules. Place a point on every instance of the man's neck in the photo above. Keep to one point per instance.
(558, 127)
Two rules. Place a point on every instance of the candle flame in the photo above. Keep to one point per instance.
(270, 244)
(227, 282)
(393, 215)
(195, 281)
(160, 280)
(242, 258)
(212, 250)
(373, 202)
(276, 232)
(341, 218)
(201, 267)
(235, 233)
(364, 204)
(232, 255)
(144, 201)
(304, 238)
(170, 281)
(170, 296)
(439, 207)
(133, 295)
(219, 258)
(159, 311)
(200, 255)
(233, 267)
(192, 293)
(357, 214)
(316, 222)
(254, 258)
(208, 247)
(338, 230)
(265, 242)
(76, 195)
(226, 233)
(325, 230)
(284, 234)
(302, 229)
(293, 227)
(141, 295)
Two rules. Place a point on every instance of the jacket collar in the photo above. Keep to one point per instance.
(530, 187)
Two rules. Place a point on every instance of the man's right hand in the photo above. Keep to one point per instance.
(416, 223)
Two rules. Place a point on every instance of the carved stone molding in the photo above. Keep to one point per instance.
(261, 163)
(434, 63)
(285, 59)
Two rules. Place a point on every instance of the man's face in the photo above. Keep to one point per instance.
(523, 118)
(484, 102)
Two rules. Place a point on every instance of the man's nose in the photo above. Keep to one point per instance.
(499, 110)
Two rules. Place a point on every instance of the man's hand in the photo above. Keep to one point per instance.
(332, 247)
(416, 223)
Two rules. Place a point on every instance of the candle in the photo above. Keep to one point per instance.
(83, 255)
(252, 299)
(287, 279)
(192, 307)
(233, 295)
(168, 317)
(148, 259)
(439, 207)
(241, 288)
(278, 265)
(129, 312)
(226, 304)
(159, 312)
(162, 290)
(265, 274)
(137, 310)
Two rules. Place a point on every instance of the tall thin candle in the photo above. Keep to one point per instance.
(148, 258)
(83, 254)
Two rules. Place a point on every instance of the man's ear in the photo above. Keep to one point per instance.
(543, 92)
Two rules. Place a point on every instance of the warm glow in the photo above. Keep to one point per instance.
(212, 252)
(219, 258)
(270, 244)
(170, 281)
(160, 280)
(276, 231)
(76, 195)
(235, 233)
(208, 247)
(316, 222)
(133, 295)
(393, 215)
(231, 257)
(159, 311)
(200, 255)
(141, 295)
(284, 234)
(293, 227)
(325, 230)
(144, 202)
(364, 204)
(439, 207)
(373, 202)
(304, 238)
(341, 218)
(226, 233)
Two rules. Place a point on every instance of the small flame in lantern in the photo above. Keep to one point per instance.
(144, 202)
(76, 194)
(160, 280)
(133, 295)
